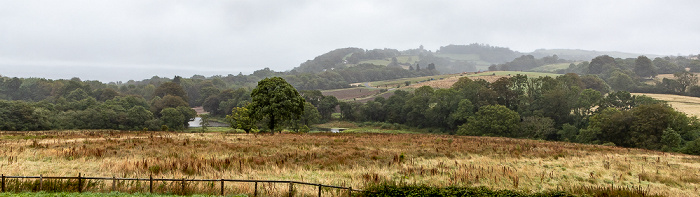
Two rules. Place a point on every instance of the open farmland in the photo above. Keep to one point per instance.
(686, 104)
(553, 67)
(489, 76)
(355, 159)
(660, 77)
(350, 93)
(438, 81)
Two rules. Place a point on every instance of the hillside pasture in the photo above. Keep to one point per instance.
(409, 59)
(364, 94)
(686, 104)
(474, 58)
(490, 76)
(351, 93)
(660, 77)
(348, 159)
(552, 67)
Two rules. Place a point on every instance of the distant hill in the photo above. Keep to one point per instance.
(585, 55)
(447, 59)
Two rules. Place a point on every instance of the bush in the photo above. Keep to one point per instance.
(391, 189)
(386, 190)
(692, 147)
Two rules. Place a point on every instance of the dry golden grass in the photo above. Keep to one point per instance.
(349, 160)
(660, 77)
(686, 104)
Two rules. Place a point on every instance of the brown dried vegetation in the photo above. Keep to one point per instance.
(350, 160)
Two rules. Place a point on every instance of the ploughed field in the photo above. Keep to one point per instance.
(348, 159)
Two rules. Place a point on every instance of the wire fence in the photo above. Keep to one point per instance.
(181, 186)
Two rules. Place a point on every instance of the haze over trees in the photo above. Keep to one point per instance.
(589, 104)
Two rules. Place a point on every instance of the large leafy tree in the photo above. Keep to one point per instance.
(492, 120)
(644, 67)
(240, 118)
(276, 101)
(171, 88)
(173, 118)
(686, 79)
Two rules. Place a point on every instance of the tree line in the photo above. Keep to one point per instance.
(74, 104)
(565, 108)
(629, 74)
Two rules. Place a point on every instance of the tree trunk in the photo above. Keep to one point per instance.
(272, 125)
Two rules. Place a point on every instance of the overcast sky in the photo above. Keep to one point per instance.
(122, 40)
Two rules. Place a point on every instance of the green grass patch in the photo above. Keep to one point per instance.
(402, 81)
(474, 58)
(375, 130)
(407, 59)
(211, 129)
(376, 62)
(552, 67)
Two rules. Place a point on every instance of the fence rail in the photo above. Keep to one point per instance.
(80, 181)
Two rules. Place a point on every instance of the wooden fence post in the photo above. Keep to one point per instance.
(319, 190)
(291, 188)
(80, 184)
(41, 181)
(150, 183)
(255, 193)
(222, 187)
(350, 192)
(114, 183)
(183, 186)
(3, 183)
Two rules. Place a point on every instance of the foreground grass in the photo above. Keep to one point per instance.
(88, 194)
(356, 160)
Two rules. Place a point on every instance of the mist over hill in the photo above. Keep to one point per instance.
(447, 59)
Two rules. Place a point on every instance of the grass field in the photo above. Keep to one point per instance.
(686, 104)
(465, 57)
(513, 73)
(348, 159)
(670, 76)
(552, 67)
(349, 94)
(75, 194)
(401, 59)
(438, 81)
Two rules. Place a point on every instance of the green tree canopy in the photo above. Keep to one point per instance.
(240, 118)
(171, 88)
(173, 119)
(276, 101)
(494, 120)
(644, 67)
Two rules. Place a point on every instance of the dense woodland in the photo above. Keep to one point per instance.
(589, 104)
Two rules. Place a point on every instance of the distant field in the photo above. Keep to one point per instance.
(465, 57)
(552, 67)
(376, 62)
(439, 81)
(350, 93)
(400, 59)
(411, 59)
(670, 76)
(685, 104)
(513, 73)
(347, 159)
